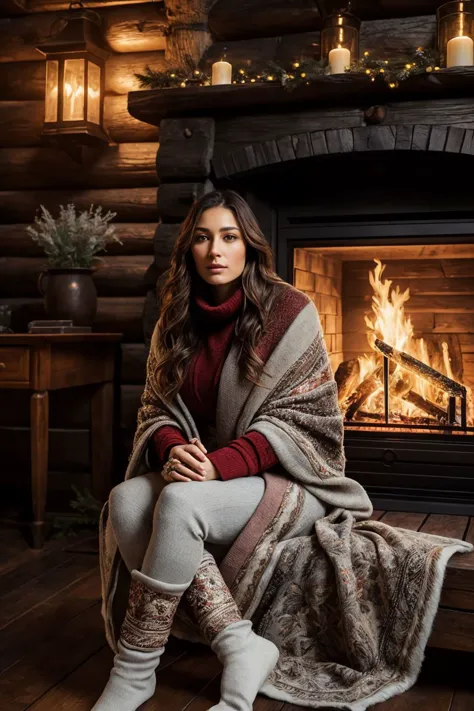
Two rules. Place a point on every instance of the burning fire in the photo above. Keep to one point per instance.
(412, 396)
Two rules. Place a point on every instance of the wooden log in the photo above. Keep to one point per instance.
(363, 392)
(413, 365)
(389, 38)
(136, 238)
(425, 405)
(163, 243)
(397, 37)
(51, 5)
(345, 376)
(121, 126)
(150, 315)
(132, 204)
(126, 165)
(175, 199)
(20, 81)
(114, 315)
(141, 28)
(191, 139)
(134, 356)
(261, 18)
(188, 34)
(21, 123)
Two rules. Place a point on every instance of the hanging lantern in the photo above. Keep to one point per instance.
(455, 33)
(75, 67)
(340, 40)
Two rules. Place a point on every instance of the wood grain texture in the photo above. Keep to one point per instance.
(191, 139)
(129, 204)
(113, 276)
(136, 238)
(22, 123)
(127, 165)
(134, 28)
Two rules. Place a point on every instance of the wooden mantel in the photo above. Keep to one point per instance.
(151, 106)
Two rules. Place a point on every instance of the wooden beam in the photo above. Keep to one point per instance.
(21, 123)
(119, 166)
(191, 139)
(26, 80)
(113, 276)
(51, 5)
(136, 238)
(188, 34)
(133, 204)
(175, 199)
(229, 20)
(138, 28)
(343, 89)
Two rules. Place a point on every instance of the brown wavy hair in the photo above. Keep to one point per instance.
(176, 336)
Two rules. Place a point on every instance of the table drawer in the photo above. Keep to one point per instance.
(14, 365)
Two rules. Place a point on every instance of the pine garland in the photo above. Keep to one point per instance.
(303, 71)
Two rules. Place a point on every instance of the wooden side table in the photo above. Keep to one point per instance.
(44, 362)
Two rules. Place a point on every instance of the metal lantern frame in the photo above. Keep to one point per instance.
(340, 29)
(79, 39)
(453, 19)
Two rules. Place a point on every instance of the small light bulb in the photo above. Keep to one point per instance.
(382, 71)
(303, 74)
(172, 76)
(408, 66)
(366, 54)
(296, 65)
(367, 71)
(252, 81)
(241, 71)
(392, 85)
(269, 78)
(197, 72)
(436, 69)
(183, 84)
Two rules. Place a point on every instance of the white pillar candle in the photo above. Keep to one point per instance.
(221, 73)
(460, 52)
(339, 59)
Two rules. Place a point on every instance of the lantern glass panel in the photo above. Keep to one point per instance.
(455, 33)
(52, 77)
(93, 93)
(340, 31)
(73, 99)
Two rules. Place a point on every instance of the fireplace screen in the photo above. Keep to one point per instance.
(399, 328)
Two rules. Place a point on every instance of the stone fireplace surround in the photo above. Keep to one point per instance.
(339, 163)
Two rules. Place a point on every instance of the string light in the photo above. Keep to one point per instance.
(391, 71)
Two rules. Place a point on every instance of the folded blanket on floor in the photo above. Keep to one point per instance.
(351, 606)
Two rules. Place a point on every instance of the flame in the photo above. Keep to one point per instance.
(391, 324)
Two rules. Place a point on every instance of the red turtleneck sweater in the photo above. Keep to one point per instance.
(247, 455)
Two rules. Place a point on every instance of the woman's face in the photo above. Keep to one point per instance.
(218, 240)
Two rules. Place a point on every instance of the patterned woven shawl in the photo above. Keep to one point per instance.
(351, 606)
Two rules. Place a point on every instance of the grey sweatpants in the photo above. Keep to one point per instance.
(161, 528)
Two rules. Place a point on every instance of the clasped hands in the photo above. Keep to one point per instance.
(189, 463)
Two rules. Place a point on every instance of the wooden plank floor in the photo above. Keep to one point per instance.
(53, 654)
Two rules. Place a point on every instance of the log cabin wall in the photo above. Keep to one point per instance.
(123, 179)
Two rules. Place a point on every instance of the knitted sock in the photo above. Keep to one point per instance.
(246, 657)
(143, 635)
(247, 660)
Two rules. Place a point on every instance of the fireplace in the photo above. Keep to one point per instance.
(348, 206)
(396, 304)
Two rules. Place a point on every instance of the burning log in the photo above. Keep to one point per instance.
(363, 392)
(426, 405)
(346, 375)
(413, 365)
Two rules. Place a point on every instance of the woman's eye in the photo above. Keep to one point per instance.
(231, 235)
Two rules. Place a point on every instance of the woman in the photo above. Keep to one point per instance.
(239, 385)
(220, 287)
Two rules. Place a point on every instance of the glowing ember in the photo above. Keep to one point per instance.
(412, 397)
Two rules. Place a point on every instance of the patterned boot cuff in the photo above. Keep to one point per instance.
(149, 616)
(211, 600)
